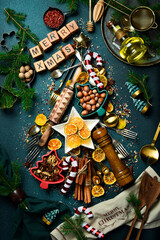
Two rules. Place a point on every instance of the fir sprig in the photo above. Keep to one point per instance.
(135, 203)
(10, 62)
(9, 184)
(142, 83)
(71, 225)
(23, 33)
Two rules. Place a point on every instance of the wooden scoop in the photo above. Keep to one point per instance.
(98, 10)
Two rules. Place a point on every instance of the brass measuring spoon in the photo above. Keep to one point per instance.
(149, 152)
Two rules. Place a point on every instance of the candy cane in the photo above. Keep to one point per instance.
(85, 225)
(65, 166)
(89, 67)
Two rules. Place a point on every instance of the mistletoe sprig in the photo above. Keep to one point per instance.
(142, 83)
(10, 62)
(71, 225)
(135, 203)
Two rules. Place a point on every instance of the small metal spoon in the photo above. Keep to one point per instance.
(110, 119)
(34, 130)
(149, 152)
(58, 72)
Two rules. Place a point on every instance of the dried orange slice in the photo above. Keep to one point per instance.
(103, 79)
(84, 133)
(41, 119)
(98, 191)
(98, 155)
(78, 122)
(44, 127)
(102, 71)
(109, 178)
(109, 107)
(96, 71)
(73, 141)
(75, 151)
(121, 123)
(82, 78)
(54, 144)
(68, 83)
(70, 129)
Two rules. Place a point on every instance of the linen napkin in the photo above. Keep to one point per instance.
(115, 212)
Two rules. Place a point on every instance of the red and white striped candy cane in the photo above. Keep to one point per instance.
(85, 225)
(65, 166)
(89, 67)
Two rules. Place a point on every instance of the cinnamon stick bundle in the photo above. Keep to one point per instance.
(88, 179)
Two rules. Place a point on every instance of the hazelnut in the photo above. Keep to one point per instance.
(27, 68)
(21, 75)
(22, 69)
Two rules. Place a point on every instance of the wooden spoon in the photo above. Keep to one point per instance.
(146, 182)
(150, 196)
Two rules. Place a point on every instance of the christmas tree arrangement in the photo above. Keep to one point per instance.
(14, 88)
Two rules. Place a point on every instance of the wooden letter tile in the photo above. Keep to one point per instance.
(45, 44)
(53, 37)
(39, 66)
(36, 51)
(50, 63)
(64, 33)
(58, 57)
(68, 50)
(72, 27)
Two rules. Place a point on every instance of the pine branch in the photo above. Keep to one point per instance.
(135, 203)
(136, 79)
(73, 226)
(143, 2)
(16, 175)
(7, 99)
(4, 191)
(17, 19)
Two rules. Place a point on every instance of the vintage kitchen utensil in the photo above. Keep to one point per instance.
(146, 182)
(54, 18)
(34, 129)
(119, 147)
(111, 119)
(149, 152)
(98, 10)
(57, 92)
(150, 196)
(90, 25)
(126, 24)
(141, 18)
(57, 73)
(54, 117)
(124, 132)
(121, 172)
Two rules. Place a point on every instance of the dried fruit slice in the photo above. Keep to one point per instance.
(109, 106)
(121, 123)
(103, 79)
(98, 191)
(84, 133)
(96, 71)
(73, 141)
(70, 129)
(41, 119)
(44, 127)
(102, 71)
(82, 78)
(54, 144)
(98, 155)
(75, 151)
(78, 122)
(109, 178)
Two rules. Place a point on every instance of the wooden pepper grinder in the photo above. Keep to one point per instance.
(121, 172)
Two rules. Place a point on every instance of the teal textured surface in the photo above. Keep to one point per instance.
(15, 122)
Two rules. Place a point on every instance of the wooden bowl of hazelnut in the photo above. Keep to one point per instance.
(27, 74)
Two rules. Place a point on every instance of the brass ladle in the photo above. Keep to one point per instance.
(111, 119)
(149, 152)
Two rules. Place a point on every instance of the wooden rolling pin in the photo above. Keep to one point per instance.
(60, 107)
(121, 172)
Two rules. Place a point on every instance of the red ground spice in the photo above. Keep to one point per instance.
(53, 18)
